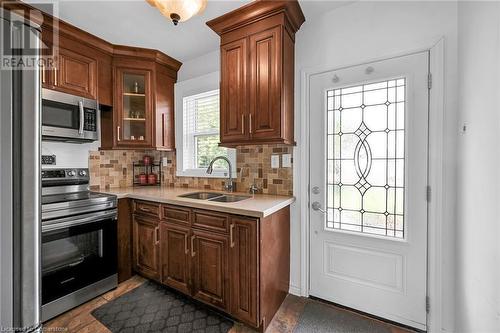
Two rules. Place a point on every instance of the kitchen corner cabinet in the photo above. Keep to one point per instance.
(237, 264)
(143, 115)
(257, 72)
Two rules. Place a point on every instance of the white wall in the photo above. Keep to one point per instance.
(478, 256)
(69, 155)
(366, 31)
(205, 64)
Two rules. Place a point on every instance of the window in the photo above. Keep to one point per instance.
(366, 158)
(201, 136)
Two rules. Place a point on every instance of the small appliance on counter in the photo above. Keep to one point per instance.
(147, 172)
(79, 241)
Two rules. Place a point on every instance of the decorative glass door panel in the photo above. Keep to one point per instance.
(366, 158)
(134, 107)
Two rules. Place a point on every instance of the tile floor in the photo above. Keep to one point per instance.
(79, 320)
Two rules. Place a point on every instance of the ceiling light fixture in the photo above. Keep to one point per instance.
(179, 10)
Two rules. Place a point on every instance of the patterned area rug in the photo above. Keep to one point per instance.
(153, 308)
(320, 318)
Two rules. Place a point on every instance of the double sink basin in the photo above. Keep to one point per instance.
(217, 197)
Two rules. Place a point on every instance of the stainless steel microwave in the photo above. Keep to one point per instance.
(69, 118)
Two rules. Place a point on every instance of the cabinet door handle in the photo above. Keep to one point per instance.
(242, 124)
(157, 231)
(118, 133)
(55, 76)
(231, 235)
(43, 73)
(163, 130)
(82, 117)
(192, 246)
(250, 123)
(186, 244)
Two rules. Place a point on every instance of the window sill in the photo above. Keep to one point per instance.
(202, 173)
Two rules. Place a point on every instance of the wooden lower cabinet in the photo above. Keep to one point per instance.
(243, 270)
(175, 256)
(243, 256)
(210, 268)
(146, 251)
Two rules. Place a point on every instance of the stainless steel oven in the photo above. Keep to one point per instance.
(79, 241)
(69, 118)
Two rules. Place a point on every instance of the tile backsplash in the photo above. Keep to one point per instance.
(113, 168)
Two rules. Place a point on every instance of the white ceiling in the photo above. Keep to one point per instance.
(136, 23)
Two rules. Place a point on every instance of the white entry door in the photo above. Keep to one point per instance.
(368, 182)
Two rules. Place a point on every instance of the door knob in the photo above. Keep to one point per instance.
(317, 206)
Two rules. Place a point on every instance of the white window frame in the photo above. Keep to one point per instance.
(201, 85)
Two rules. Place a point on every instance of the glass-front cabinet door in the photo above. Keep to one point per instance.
(133, 108)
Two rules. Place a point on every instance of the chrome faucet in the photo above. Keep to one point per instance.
(230, 186)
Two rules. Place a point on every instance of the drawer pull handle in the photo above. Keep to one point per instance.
(192, 246)
(157, 231)
(231, 235)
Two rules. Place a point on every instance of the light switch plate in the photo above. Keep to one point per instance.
(286, 160)
(275, 161)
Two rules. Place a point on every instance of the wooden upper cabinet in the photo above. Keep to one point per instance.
(143, 113)
(233, 91)
(76, 73)
(133, 107)
(265, 84)
(74, 66)
(257, 72)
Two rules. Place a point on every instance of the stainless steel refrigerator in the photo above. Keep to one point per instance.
(19, 178)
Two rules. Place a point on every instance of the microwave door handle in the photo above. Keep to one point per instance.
(80, 107)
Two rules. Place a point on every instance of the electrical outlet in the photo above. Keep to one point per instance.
(275, 161)
(164, 161)
(286, 160)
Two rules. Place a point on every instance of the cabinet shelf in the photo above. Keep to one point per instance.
(134, 94)
(134, 119)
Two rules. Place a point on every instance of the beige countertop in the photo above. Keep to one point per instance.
(258, 205)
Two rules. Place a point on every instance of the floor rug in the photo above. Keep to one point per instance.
(321, 318)
(152, 307)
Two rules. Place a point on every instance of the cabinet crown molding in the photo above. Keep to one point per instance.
(256, 11)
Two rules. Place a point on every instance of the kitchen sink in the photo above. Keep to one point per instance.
(229, 198)
(201, 195)
(211, 196)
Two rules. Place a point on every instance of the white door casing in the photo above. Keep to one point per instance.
(384, 274)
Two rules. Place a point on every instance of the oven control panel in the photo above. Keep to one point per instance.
(51, 177)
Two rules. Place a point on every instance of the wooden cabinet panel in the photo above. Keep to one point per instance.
(124, 240)
(265, 84)
(146, 240)
(177, 215)
(76, 73)
(244, 265)
(233, 92)
(210, 268)
(175, 256)
(146, 207)
(164, 111)
(211, 221)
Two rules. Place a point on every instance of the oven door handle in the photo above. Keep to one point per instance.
(74, 221)
(82, 120)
